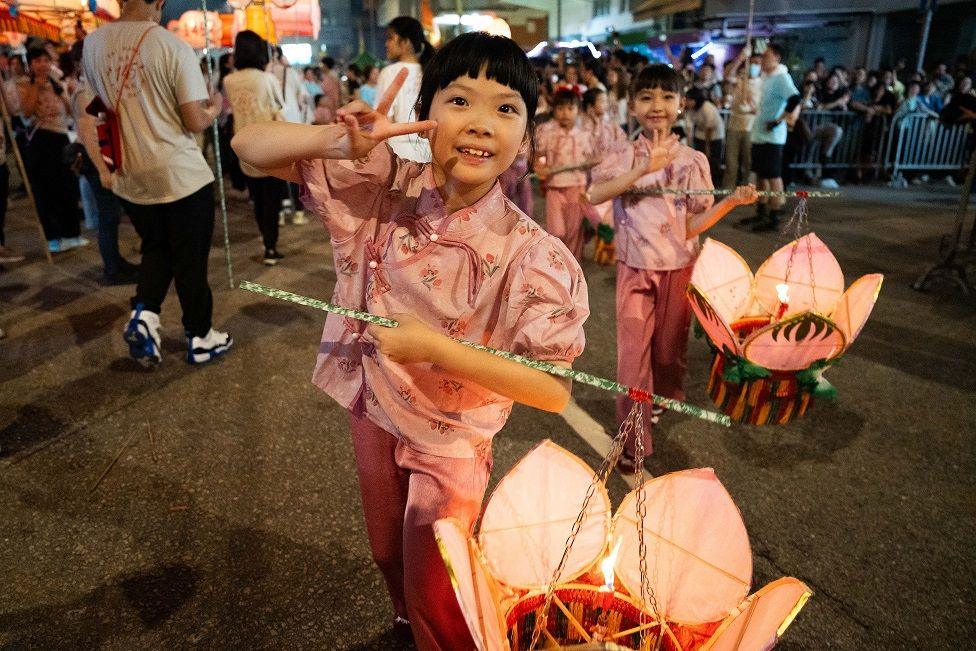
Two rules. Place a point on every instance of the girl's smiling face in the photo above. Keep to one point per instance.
(656, 109)
(481, 125)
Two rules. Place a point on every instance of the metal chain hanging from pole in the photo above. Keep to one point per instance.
(216, 138)
(632, 426)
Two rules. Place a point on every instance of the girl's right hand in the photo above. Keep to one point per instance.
(661, 151)
(367, 127)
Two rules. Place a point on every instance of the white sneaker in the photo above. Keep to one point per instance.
(142, 335)
(951, 182)
(201, 350)
(299, 218)
(68, 243)
(829, 183)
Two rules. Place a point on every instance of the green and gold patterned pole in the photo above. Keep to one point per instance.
(718, 192)
(636, 394)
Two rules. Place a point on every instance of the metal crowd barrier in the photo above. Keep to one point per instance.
(915, 142)
(920, 142)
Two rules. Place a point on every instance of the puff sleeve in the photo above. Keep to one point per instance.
(699, 178)
(347, 194)
(617, 159)
(546, 304)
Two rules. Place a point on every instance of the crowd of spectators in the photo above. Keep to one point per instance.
(872, 101)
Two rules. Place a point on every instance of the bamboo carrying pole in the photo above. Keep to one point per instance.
(9, 128)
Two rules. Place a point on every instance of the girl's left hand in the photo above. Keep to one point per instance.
(744, 195)
(408, 343)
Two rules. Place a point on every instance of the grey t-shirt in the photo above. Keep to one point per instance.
(161, 161)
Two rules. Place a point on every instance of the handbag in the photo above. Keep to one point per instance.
(109, 131)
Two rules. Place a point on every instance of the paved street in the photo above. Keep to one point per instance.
(232, 517)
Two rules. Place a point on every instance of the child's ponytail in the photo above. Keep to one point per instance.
(410, 28)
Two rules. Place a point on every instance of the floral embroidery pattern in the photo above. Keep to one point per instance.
(406, 395)
(665, 228)
(347, 266)
(439, 426)
(556, 260)
(376, 286)
(531, 293)
(482, 449)
(454, 327)
(556, 313)
(346, 365)
(488, 265)
(408, 243)
(429, 277)
(451, 387)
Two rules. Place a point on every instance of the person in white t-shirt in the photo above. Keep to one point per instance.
(164, 181)
(255, 96)
(406, 48)
(293, 90)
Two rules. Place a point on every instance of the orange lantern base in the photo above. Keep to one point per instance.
(776, 399)
(575, 615)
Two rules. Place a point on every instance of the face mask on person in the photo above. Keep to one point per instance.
(754, 69)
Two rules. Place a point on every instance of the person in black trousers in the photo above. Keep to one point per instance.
(55, 187)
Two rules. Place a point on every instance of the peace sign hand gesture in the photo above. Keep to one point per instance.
(661, 151)
(367, 127)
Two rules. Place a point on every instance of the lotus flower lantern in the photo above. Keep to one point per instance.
(696, 575)
(775, 333)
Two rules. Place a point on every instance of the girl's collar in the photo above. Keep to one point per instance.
(470, 218)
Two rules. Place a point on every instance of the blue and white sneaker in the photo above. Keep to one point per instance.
(142, 335)
(201, 350)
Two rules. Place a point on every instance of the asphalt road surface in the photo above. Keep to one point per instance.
(232, 517)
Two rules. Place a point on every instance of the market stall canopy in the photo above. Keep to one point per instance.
(56, 20)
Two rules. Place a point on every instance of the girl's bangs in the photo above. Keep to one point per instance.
(502, 60)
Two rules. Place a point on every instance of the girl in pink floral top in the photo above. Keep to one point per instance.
(656, 240)
(562, 143)
(439, 248)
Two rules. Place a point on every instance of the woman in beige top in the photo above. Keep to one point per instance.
(255, 96)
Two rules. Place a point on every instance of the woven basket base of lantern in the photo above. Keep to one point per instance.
(776, 399)
(577, 620)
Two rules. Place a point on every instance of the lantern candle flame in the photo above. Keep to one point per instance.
(783, 293)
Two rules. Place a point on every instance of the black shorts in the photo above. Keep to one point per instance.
(767, 160)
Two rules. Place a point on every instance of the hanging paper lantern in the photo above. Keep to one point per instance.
(698, 564)
(776, 333)
(190, 28)
(298, 18)
(257, 18)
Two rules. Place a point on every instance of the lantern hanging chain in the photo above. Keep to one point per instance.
(647, 596)
(599, 478)
(216, 138)
(795, 228)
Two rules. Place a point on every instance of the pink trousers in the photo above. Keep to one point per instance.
(653, 316)
(404, 492)
(565, 209)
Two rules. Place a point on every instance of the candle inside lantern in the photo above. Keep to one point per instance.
(783, 293)
(606, 566)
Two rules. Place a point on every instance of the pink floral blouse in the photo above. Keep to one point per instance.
(651, 231)
(606, 134)
(486, 273)
(563, 147)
